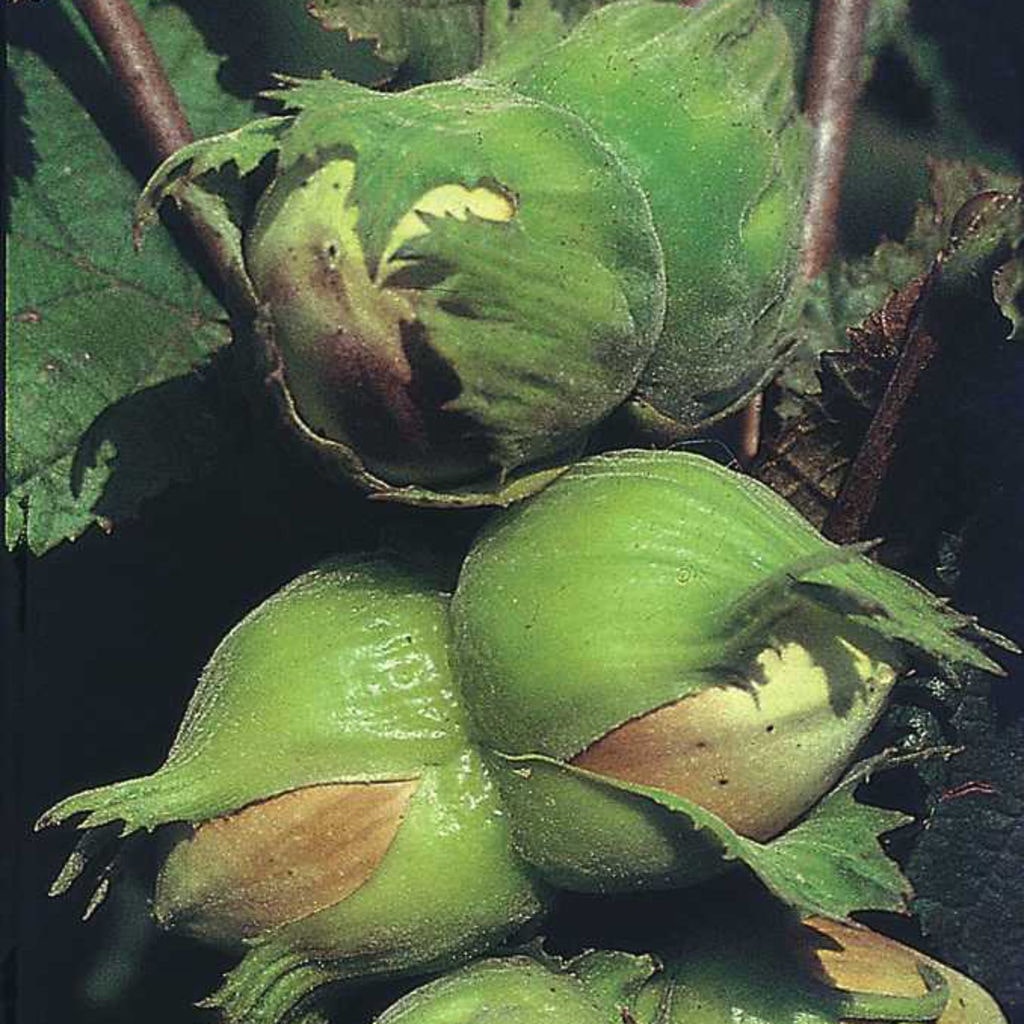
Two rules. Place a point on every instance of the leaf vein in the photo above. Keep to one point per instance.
(88, 266)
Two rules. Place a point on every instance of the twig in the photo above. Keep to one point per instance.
(750, 429)
(941, 303)
(833, 85)
(133, 60)
(159, 118)
(848, 519)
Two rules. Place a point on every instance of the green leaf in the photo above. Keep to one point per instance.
(854, 290)
(194, 70)
(181, 179)
(830, 863)
(434, 38)
(243, 149)
(100, 415)
(901, 609)
(516, 293)
(1008, 290)
(428, 40)
(263, 38)
(832, 859)
(515, 32)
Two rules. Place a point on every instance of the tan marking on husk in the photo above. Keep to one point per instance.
(281, 859)
(674, 749)
(853, 958)
(757, 755)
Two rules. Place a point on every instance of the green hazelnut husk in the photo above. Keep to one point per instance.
(759, 964)
(458, 283)
(699, 103)
(722, 961)
(453, 286)
(528, 990)
(656, 621)
(322, 774)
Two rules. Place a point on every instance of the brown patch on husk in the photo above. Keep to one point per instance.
(676, 748)
(281, 859)
(853, 958)
(758, 754)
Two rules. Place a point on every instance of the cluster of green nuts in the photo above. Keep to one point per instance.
(454, 285)
(651, 671)
(381, 778)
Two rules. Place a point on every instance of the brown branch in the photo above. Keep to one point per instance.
(749, 441)
(833, 86)
(159, 118)
(849, 517)
(937, 307)
(123, 40)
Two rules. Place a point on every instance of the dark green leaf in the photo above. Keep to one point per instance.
(433, 38)
(93, 327)
(428, 40)
(1008, 289)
